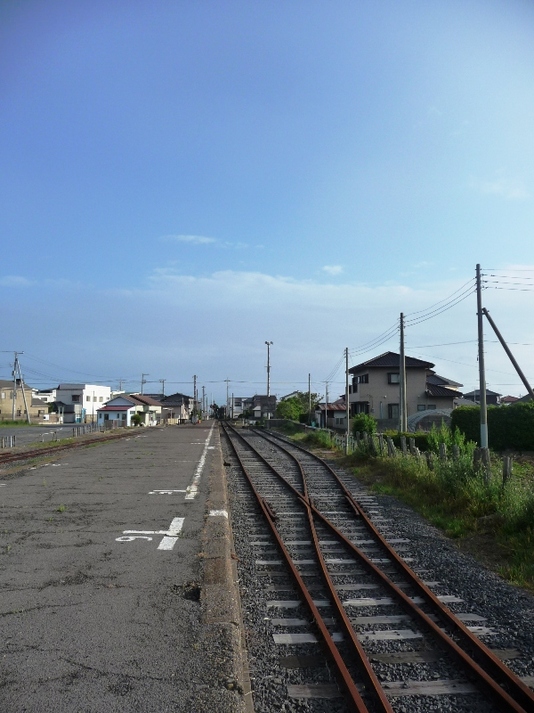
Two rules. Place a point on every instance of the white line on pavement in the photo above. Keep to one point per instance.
(192, 489)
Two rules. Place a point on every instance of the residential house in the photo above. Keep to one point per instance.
(492, 397)
(375, 388)
(17, 402)
(240, 406)
(79, 403)
(119, 411)
(177, 408)
(263, 406)
(331, 415)
(46, 395)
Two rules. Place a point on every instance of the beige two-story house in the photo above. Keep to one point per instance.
(375, 388)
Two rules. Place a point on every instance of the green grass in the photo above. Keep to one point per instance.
(466, 506)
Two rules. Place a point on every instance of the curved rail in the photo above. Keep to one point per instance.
(476, 659)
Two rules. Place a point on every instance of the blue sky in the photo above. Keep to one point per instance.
(182, 181)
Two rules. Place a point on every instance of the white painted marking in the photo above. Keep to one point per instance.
(218, 513)
(165, 492)
(169, 536)
(192, 489)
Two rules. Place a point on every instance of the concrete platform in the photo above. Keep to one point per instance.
(117, 583)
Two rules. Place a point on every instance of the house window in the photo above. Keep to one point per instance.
(431, 407)
(393, 411)
(394, 378)
(421, 407)
(3, 395)
(87, 398)
(100, 398)
(363, 379)
(75, 398)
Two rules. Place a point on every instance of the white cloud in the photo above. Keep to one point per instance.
(192, 239)
(15, 281)
(216, 325)
(333, 269)
(507, 188)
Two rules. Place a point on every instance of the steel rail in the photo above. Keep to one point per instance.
(355, 699)
(489, 669)
(37, 452)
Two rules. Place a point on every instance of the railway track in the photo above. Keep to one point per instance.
(12, 456)
(331, 576)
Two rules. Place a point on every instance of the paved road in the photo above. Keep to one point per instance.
(96, 553)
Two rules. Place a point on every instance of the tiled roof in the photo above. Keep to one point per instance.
(441, 380)
(438, 390)
(121, 407)
(391, 360)
(145, 400)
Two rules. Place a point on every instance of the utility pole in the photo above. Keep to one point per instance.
(509, 353)
(482, 375)
(194, 394)
(326, 405)
(268, 368)
(402, 381)
(162, 382)
(227, 399)
(204, 402)
(143, 381)
(309, 400)
(347, 405)
(16, 369)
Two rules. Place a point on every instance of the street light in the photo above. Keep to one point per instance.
(268, 368)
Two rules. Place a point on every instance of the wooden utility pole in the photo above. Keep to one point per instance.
(509, 353)
(403, 420)
(481, 370)
(347, 404)
(326, 405)
(16, 369)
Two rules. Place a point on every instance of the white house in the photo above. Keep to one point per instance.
(79, 403)
(120, 410)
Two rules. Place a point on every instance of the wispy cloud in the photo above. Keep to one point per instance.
(15, 281)
(333, 269)
(507, 188)
(191, 239)
(205, 240)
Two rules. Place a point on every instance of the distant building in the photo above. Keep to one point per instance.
(492, 397)
(18, 403)
(79, 403)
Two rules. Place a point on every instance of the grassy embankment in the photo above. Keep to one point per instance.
(492, 520)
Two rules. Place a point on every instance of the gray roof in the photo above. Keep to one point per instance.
(391, 360)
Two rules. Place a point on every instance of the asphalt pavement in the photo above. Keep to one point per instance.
(103, 557)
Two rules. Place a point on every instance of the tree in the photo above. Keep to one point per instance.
(363, 423)
(289, 409)
(297, 405)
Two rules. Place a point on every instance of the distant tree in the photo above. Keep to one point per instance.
(289, 409)
(296, 407)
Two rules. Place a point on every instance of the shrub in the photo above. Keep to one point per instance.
(363, 423)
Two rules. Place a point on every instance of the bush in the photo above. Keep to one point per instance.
(363, 423)
(509, 427)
